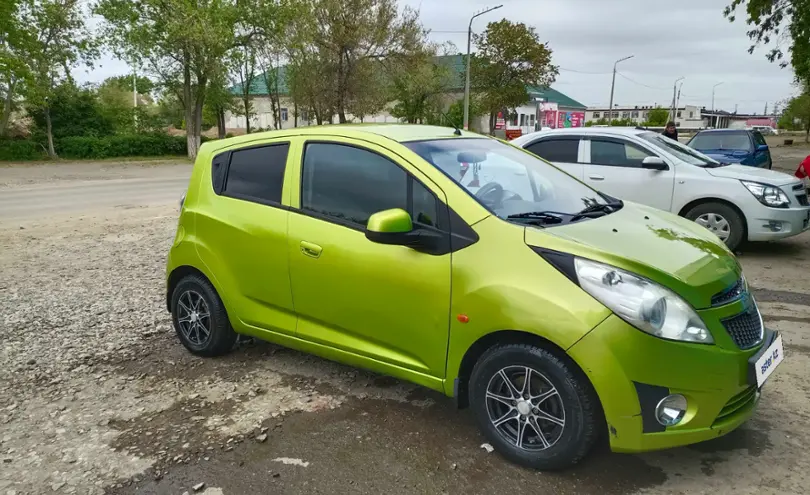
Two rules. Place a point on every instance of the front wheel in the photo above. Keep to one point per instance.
(534, 407)
(722, 220)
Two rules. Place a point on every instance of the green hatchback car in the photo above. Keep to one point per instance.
(463, 264)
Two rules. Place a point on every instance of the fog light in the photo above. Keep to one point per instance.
(671, 410)
(774, 226)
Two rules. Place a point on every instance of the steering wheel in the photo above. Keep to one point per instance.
(494, 190)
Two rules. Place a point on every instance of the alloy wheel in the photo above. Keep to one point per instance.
(194, 318)
(525, 408)
(715, 223)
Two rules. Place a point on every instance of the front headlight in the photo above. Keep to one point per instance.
(767, 195)
(644, 304)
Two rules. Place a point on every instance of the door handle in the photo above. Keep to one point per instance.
(596, 177)
(310, 249)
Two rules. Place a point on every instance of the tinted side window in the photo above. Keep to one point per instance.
(351, 184)
(556, 150)
(425, 206)
(616, 154)
(257, 174)
(759, 138)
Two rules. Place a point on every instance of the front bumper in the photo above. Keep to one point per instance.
(631, 371)
(768, 224)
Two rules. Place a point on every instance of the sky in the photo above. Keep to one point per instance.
(668, 40)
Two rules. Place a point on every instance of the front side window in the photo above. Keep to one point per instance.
(616, 154)
(556, 150)
(511, 183)
(734, 140)
(758, 138)
(257, 174)
(350, 184)
(680, 151)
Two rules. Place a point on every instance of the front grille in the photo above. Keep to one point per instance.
(737, 403)
(745, 328)
(730, 294)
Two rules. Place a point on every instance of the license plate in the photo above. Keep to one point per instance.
(769, 360)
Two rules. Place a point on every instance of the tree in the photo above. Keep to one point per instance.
(510, 57)
(218, 100)
(13, 70)
(245, 63)
(74, 111)
(350, 35)
(143, 85)
(184, 43)
(658, 116)
(799, 109)
(57, 40)
(786, 23)
(419, 85)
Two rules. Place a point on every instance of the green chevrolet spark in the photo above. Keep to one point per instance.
(460, 263)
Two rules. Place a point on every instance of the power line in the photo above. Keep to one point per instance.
(642, 84)
(582, 71)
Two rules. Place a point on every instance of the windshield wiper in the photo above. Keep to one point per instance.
(545, 217)
(602, 208)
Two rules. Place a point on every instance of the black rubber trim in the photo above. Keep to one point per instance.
(767, 339)
(648, 397)
(219, 168)
(564, 262)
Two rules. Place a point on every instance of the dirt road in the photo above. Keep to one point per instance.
(98, 396)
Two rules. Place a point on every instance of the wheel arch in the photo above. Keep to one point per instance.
(696, 202)
(480, 346)
(179, 274)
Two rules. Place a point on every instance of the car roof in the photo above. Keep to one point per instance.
(397, 132)
(723, 131)
(601, 131)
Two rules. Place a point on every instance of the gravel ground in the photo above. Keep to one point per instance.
(98, 396)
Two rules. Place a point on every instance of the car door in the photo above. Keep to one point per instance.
(762, 154)
(245, 229)
(562, 151)
(615, 167)
(385, 303)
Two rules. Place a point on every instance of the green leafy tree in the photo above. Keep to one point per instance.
(783, 24)
(420, 84)
(73, 111)
(350, 36)
(143, 85)
(246, 63)
(57, 39)
(798, 110)
(218, 101)
(510, 57)
(14, 41)
(658, 116)
(184, 43)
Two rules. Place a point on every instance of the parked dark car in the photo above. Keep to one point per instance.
(746, 147)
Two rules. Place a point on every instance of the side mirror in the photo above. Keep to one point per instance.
(395, 227)
(654, 163)
(762, 147)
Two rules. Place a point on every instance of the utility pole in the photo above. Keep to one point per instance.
(613, 85)
(469, 63)
(714, 117)
(766, 108)
(674, 94)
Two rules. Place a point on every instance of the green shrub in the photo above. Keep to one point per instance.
(120, 146)
(18, 149)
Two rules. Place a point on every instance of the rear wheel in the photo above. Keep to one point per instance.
(200, 319)
(722, 220)
(533, 407)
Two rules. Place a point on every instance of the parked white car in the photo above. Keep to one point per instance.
(735, 202)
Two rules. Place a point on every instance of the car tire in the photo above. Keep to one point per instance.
(200, 319)
(713, 216)
(572, 401)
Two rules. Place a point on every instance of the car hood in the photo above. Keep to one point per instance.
(726, 156)
(660, 246)
(741, 172)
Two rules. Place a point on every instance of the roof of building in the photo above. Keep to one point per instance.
(456, 63)
(395, 132)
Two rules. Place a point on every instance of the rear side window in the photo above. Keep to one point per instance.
(257, 174)
(556, 150)
(721, 141)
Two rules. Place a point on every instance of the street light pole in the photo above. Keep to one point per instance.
(467, 82)
(613, 85)
(714, 117)
(674, 91)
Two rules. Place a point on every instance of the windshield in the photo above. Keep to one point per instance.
(510, 182)
(680, 151)
(721, 141)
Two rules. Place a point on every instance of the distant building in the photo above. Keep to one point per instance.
(685, 116)
(547, 107)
